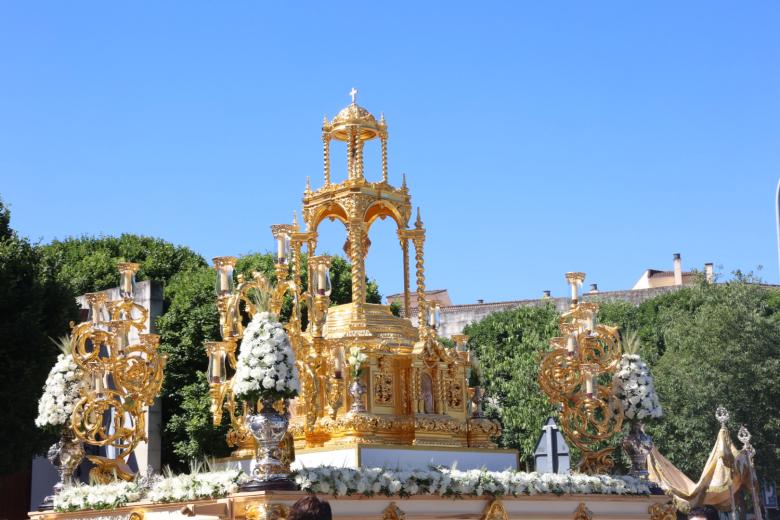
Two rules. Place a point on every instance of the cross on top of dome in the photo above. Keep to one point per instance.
(354, 120)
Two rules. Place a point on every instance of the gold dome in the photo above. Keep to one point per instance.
(355, 116)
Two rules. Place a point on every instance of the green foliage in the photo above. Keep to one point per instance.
(509, 346)
(189, 321)
(88, 264)
(193, 426)
(5, 222)
(395, 309)
(34, 306)
(721, 346)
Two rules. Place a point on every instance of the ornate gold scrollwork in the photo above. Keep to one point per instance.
(393, 512)
(569, 374)
(383, 388)
(266, 512)
(662, 511)
(582, 512)
(495, 511)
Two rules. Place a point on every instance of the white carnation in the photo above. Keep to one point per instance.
(265, 361)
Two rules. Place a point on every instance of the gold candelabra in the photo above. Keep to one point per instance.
(239, 298)
(125, 376)
(569, 374)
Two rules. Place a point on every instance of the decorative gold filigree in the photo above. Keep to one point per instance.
(582, 512)
(393, 512)
(383, 389)
(124, 377)
(662, 511)
(455, 395)
(495, 511)
(265, 511)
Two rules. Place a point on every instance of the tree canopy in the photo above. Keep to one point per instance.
(721, 346)
(88, 264)
(34, 307)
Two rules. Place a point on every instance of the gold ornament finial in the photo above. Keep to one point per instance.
(403, 182)
(418, 223)
(308, 184)
(295, 218)
(353, 93)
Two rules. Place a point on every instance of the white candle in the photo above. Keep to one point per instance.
(589, 385)
(280, 248)
(321, 272)
(217, 371)
(574, 290)
(224, 285)
(127, 283)
(98, 383)
(570, 344)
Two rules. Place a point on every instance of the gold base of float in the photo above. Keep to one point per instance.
(275, 505)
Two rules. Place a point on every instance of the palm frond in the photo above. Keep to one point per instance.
(63, 344)
(630, 342)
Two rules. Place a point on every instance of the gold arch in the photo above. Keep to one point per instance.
(334, 210)
(381, 209)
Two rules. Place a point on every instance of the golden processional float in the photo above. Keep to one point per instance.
(410, 389)
(590, 412)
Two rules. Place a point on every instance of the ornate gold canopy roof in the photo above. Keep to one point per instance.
(354, 120)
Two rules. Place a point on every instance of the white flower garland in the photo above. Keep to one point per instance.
(335, 481)
(104, 496)
(179, 488)
(452, 482)
(266, 363)
(634, 385)
(60, 393)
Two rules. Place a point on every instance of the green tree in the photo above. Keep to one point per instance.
(34, 307)
(88, 264)
(509, 346)
(721, 346)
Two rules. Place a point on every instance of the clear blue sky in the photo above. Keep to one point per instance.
(538, 137)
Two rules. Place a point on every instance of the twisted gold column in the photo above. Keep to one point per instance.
(384, 159)
(405, 248)
(326, 158)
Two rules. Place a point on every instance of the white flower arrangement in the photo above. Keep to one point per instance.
(455, 483)
(634, 387)
(266, 363)
(103, 496)
(355, 361)
(61, 391)
(178, 488)
(173, 488)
